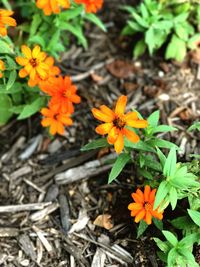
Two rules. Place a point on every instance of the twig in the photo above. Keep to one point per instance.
(23, 207)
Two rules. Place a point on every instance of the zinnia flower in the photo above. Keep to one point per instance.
(5, 19)
(115, 123)
(63, 94)
(53, 71)
(33, 63)
(52, 6)
(142, 208)
(91, 6)
(2, 68)
(55, 120)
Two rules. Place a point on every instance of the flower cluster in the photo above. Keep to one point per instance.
(42, 72)
(53, 7)
(5, 19)
(115, 123)
(2, 68)
(142, 208)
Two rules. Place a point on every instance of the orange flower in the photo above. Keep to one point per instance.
(52, 6)
(142, 208)
(5, 19)
(63, 94)
(115, 123)
(2, 68)
(33, 63)
(55, 120)
(91, 6)
(53, 71)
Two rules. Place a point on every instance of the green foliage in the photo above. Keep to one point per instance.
(161, 23)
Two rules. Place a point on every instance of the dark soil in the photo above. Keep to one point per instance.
(31, 162)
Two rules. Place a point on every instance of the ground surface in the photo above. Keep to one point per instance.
(31, 163)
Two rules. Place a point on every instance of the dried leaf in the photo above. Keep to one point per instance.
(96, 78)
(104, 221)
(121, 69)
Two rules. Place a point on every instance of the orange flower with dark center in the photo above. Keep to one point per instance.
(53, 71)
(2, 68)
(55, 120)
(52, 6)
(91, 6)
(115, 123)
(5, 19)
(33, 63)
(63, 94)
(142, 208)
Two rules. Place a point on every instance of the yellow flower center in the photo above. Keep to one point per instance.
(119, 123)
(33, 62)
(147, 206)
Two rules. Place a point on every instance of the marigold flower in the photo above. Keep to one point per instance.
(2, 68)
(52, 6)
(53, 71)
(91, 6)
(55, 120)
(33, 63)
(63, 94)
(142, 208)
(115, 123)
(5, 19)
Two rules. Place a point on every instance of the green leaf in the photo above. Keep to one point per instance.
(161, 143)
(71, 13)
(158, 224)
(142, 228)
(171, 257)
(11, 79)
(4, 47)
(181, 32)
(5, 105)
(171, 238)
(154, 118)
(161, 157)
(118, 166)
(145, 173)
(98, 143)
(164, 129)
(189, 240)
(36, 20)
(192, 42)
(195, 126)
(134, 26)
(176, 49)
(195, 215)
(170, 164)
(162, 245)
(139, 48)
(31, 109)
(173, 197)
(182, 222)
(141, 145)
(93, 18)
(163, 190)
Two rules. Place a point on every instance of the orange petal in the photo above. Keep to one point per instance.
(131, 136)
(147, 191)
(26, 51)
(65, 120)
(131, 116)
(3, 31)
(119, 143)
(140, 193)
(46, 122)
(53, 127)
(104, 128)
(36, 51)
(157, 215)
(23, 73)
(140, 215)
(152, 196)
(121, 105)
(148, 218)
(99, 115)
(107, 111)
(135, 206)
(137, 123)
(22, 61)
(9, 21)
(137, 198)
(112, 135)
(134, 212)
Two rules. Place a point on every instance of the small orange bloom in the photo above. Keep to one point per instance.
(52, 6)
(33, 63)
(5, 19)
(2, 68)
(91, 6)
(142, 208)
(53, 71)
(63, 94)
(115, 123)
(55, 120)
